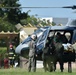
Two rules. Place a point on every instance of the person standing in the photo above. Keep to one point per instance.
(11, 55)
(47, 57)
(32, 53)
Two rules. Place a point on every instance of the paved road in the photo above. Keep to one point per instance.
(40, 65)
(66, 65)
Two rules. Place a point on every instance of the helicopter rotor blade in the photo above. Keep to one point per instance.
(72, 7)
(27, 7)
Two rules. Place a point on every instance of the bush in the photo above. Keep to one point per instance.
(3, 52)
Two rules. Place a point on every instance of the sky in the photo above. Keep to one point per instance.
(49, 12)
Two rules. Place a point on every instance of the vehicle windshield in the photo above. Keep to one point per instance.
(43, 36)
(27, 40)
(71, 23)
(38, 32)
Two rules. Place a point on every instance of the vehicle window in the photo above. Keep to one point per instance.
(51, 34)
(62, 36)
(68, 35)
(73, 22)
(37, 32)
(61, 32)
(27, 40)
(43, 36)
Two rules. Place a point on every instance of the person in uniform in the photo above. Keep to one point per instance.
(11, 55)
(59, 49)
(32, 54)
(47, 57)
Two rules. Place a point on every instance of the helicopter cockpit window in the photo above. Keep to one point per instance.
(51, 34)
(62, 36)
(68, 36)
(38, 32)
(43, 36)
(27, 40)
(61, 32)
(73, 22)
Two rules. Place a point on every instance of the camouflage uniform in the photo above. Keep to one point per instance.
(74, 47)
(47, 58)
(32, 60)
(59, 49)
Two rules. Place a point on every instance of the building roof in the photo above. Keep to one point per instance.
(8, 34)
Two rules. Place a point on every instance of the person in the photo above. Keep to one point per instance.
(57, 38)
(47, 57)
(64, 39)
(32, 54)
(11, 55)
(59, 49)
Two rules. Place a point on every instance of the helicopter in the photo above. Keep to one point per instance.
(70, 32)
(23, 48)
(48, 31)
(42, 34)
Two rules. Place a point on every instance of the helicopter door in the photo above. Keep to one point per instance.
(74, 37)
(42, 40)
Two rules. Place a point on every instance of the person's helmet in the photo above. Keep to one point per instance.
(11, 46)
(33, 36)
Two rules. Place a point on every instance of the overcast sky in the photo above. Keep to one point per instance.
(49, 12)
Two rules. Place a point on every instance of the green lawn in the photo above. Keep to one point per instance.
(19, 71)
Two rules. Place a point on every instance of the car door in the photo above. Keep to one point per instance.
(42, 40)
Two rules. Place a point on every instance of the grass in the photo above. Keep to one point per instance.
(20, 71)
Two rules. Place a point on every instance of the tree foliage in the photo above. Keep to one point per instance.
(36, 22)
(10, 17)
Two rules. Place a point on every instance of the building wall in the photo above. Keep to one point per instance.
(29, 30)
(47, 18)
(62, 21)
(25, 32)
(58, 21)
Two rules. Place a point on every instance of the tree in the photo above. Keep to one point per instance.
(31, 19)
(36, 22)
(10, 17)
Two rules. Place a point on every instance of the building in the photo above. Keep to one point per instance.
(62, 21)
(47, 18)
(25, 31)
(57, 21)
